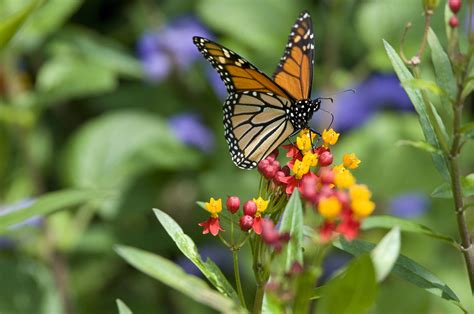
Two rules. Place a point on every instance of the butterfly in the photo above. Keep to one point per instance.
(260, 113)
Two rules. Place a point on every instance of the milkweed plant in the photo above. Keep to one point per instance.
(308, 202)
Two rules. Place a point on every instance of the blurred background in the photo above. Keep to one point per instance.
(113, 95)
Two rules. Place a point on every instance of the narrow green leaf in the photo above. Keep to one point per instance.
(467, 130)
(425, 85)
(353, 291)
(423, 145)
(445, 189)
(442, 66)
(405, 268)
(388, 222)
(385, 254)
(292, 222)
(467, 89)
(49, 203)
(416, 98)
(189, 249)
(175, 277)
(12, 24)
(304, 289)
(122, 307)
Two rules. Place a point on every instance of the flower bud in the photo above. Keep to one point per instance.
(326, 175)
(246, 222)
(455, 6)
(250, 208)
(233, 204)
(308, 188)
(325, 159)
(430, 4)
(296, 268)
(262, 165)
(453, 21)
(278, 178)
(270, 171)
(273, 155)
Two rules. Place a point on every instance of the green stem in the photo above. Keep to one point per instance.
(235, 254)
(257, 305)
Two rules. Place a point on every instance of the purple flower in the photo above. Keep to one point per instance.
(332, 263)
(409, 205)
(379, 91)
(170, 47)
(219, 255)
(189, 129)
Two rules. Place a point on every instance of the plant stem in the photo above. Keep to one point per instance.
(235, 254)
(257, 305)
(466, 243)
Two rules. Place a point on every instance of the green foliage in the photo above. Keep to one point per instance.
(10, 26)
(445, 190)
(169, 273)
(385, 254)
(189, 249)
(122, 307)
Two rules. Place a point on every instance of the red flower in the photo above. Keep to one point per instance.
(211, 225)
(257, 225)
(326, 231)
(349, 227)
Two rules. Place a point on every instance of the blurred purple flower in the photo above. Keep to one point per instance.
(379, 91)
(332, 263)
(219, 255)
(409, 205)
(170, 47)
(190, 130)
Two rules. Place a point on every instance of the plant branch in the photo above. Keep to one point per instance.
(235, 254)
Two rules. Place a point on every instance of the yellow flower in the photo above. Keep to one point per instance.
(261, 205)
(351, 161)
(310, 159)
(303, 143)
(362, 208)
(344, 179)
(306, 133)
(214, 207)
(338, 169)
(330, 136)
(329, 207)
(300, 169)
(359, 192)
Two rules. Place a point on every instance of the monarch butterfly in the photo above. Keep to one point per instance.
(261, 113)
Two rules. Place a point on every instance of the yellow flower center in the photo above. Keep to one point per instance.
(214, 207)
(359, 192)
(300, 169)
(329, 207)
(350, 161)
(303, 143)
(344, 179)
(261, 205)
(330, 136)
(362, 208)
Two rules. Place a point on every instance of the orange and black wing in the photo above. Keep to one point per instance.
(237, 73)
(295, 70)
(255, 124)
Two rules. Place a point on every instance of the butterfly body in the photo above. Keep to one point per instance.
(260, 113)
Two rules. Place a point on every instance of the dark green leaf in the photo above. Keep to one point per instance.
(385, 254)
(292, 222)
(388, 222)
(12, 24)
(467, 89)
(189, 249)
(175, 277)
(51, 202)
(353, 291)
(406, 269)
(445, 189)
(122, 307)
(416, 98)
(420, 145)
(425, 85)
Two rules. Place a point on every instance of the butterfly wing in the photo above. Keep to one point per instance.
(255, 124)
(295, 70)
(237, 73)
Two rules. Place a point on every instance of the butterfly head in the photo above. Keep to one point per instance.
(302, 112)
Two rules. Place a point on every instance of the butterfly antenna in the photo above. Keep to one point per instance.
(338, 93)
(332, 117)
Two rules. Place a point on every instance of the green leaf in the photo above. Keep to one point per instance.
(467, 130)
(189, 249)
(425, 85)
(442, 66)
(353, 291)
(416, 98)
(385, 254)
(388, 222)
(467, 89)
(292, 222)
(10, 26)
(175, 277)
(404, 268)
(445, 189)
(423, 145)
(49, 203)
(122, 307)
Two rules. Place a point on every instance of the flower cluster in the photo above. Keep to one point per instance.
(331, 189)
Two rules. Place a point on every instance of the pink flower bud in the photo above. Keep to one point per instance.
(233, 204)
(326, 175)
(453, 21)
(250, 208)
(455, 6)
(325, 159)
(246, 222)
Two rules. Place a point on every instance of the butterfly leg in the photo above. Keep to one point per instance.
(317, 133)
